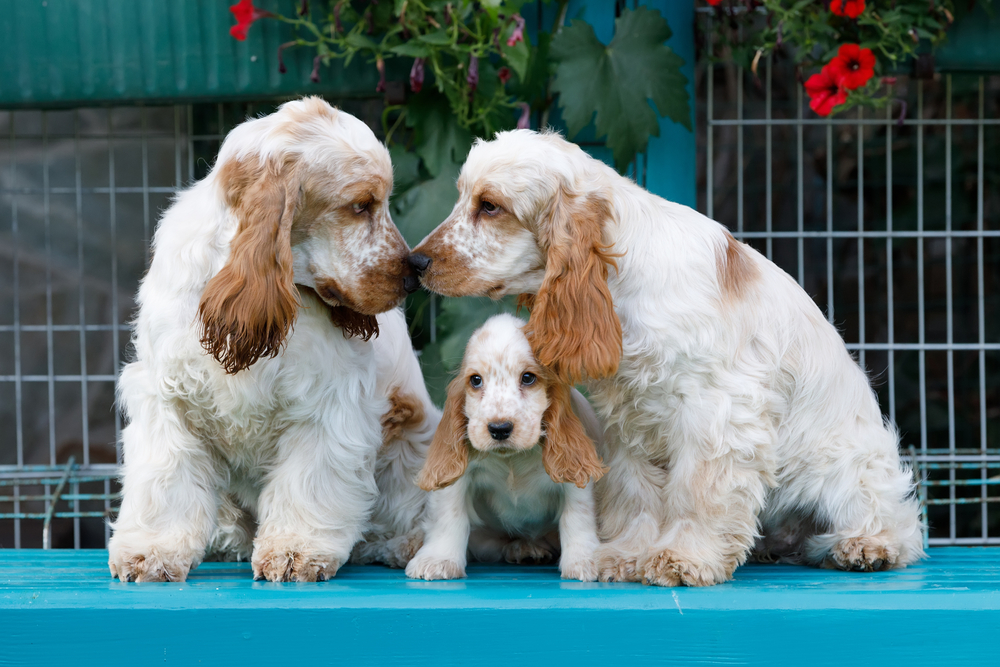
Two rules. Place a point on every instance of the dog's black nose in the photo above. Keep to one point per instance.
(500, 430)
(411, 284)
(419, 262)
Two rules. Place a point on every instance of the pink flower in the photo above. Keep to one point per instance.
(314, 77)
(825, 92)
(524, 122)
(245, 14)
(380, 65)
(472, 78)
(504, 74)
(518, 34)
(417, 75)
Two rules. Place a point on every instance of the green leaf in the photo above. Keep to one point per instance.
(405, 169)
(359, 41)
(617, 81)
(438, 138)
(412, 50)
(424, 206)
(437, 38)
(517, 57)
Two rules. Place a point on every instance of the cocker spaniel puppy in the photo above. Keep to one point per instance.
(258, 397)
(506, 422)
(736, 420)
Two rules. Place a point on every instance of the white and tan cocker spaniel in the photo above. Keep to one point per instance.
(258, 398)
(736, 420)
(507, 422)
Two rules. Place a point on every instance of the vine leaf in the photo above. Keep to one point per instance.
(438, 138)
(618, 80)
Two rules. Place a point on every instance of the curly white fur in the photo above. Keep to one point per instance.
(736, 422)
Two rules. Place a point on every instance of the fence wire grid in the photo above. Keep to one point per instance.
(891, 225)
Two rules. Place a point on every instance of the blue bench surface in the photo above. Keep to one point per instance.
(62, 607)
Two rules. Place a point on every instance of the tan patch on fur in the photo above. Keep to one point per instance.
(405, 412)
(573, 328)
(289, 565)
(862, 554)
(736, 269)
(568, 454)
(668, 569)
(616, 569)
(248, 308)
(448, 455)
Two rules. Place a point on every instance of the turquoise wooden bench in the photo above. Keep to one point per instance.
(61, 607)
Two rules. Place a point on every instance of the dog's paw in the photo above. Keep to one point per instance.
(432, 569)
(613, 567)
(863, 554)
(401, 550)
(667, 568)
(527, 552)
(149, 564)
(583, 569)
(276, 561)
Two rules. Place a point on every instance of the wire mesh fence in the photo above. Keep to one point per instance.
(893, 226)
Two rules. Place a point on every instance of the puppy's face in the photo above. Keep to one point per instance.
(505, 390)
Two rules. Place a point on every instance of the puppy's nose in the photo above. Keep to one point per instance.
(500, 430)
(411, 284)
(419, 262)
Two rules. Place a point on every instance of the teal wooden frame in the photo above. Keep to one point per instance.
(62, 607)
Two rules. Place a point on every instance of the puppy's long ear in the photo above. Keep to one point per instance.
(568, 454)
(573, 328)
(448, 455)
(248, 307)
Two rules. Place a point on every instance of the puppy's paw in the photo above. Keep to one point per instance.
(863, 554)
(401, 550)
(614, 567)
(667, 568)
(432, 569)
(584, 569)
(527, 552)
(277, 561)
(148, 564)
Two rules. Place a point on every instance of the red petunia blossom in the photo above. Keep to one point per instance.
(853, 66)
(825, 92)
(849, 8)
(714, 3)
(504, 74)
(245, 14)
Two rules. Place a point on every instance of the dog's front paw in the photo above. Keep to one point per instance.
(584, 569)
(667, 568)
(863, 554)
(431, 568)
(150, 563)
(527, 552)
(614, 567)
(279, 561)
(402, 549)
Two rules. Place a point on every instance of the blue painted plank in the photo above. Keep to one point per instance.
(63, 607)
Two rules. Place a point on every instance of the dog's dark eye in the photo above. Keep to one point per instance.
(528, 379)
(490, 208)
(476, 381)
(361, 207)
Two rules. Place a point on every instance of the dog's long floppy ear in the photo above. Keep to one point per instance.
(448, 456)
(573, 328)
(248, 307)
(568, 454)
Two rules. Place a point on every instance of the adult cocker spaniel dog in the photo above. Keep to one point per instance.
(269, 365)
(736, 420)
(507, 421)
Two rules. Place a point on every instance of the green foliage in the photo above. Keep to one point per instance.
(616, 81)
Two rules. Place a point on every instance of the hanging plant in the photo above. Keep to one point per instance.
(857, 45)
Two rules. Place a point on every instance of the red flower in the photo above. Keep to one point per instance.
(504, 74)
(849, 8)
(380, 66)
(518, 34)
(853, 66)
(245, 14)
(825, 92)
(714, 3)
